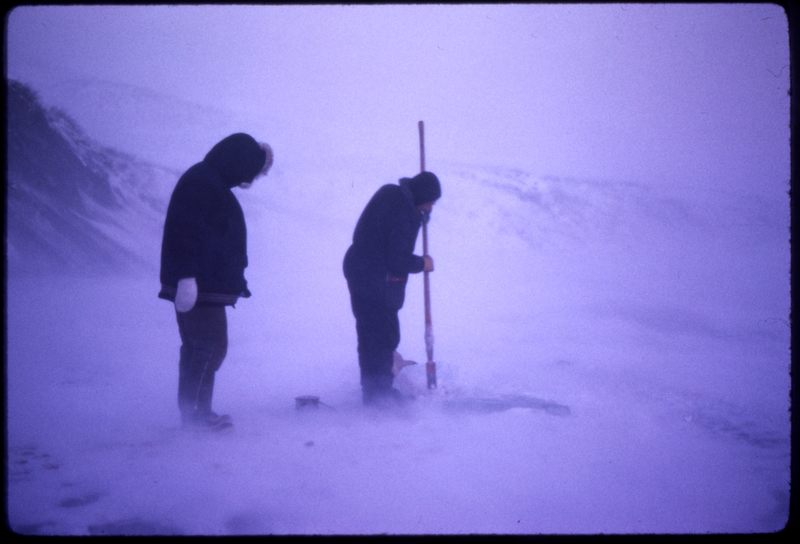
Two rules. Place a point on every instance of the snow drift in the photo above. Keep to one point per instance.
(658, 319)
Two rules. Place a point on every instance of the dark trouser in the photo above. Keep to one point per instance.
(378, 330)
(204, 337)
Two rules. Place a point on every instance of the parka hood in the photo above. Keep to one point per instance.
(424, 187)
(237, 158)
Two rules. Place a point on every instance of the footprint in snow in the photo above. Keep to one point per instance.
(25, 461)
(80, 500)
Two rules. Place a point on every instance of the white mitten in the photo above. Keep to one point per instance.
(186, 296)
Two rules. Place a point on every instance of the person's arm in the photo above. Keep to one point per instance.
(401, 259)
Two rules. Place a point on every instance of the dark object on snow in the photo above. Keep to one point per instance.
(306, 401)
(504, 402)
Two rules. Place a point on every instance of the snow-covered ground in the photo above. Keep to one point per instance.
(612, 240)
(660, 322)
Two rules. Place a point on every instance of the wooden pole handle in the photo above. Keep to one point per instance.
(430, 366)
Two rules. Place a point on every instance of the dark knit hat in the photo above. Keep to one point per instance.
(425, 187)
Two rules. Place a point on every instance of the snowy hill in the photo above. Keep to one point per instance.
(162, 129)
(72, 203)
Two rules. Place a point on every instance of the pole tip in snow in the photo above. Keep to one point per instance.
(430, 370)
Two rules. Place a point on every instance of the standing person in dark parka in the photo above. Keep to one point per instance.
(203, 257)
(376, 267)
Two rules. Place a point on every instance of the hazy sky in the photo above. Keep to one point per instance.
(688, 94)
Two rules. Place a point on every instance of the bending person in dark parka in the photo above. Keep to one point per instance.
(377, 266)
(203, 257)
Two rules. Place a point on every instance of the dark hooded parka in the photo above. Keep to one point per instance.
(204, 232)
(376, 267)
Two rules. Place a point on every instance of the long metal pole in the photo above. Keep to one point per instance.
(430, 366)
